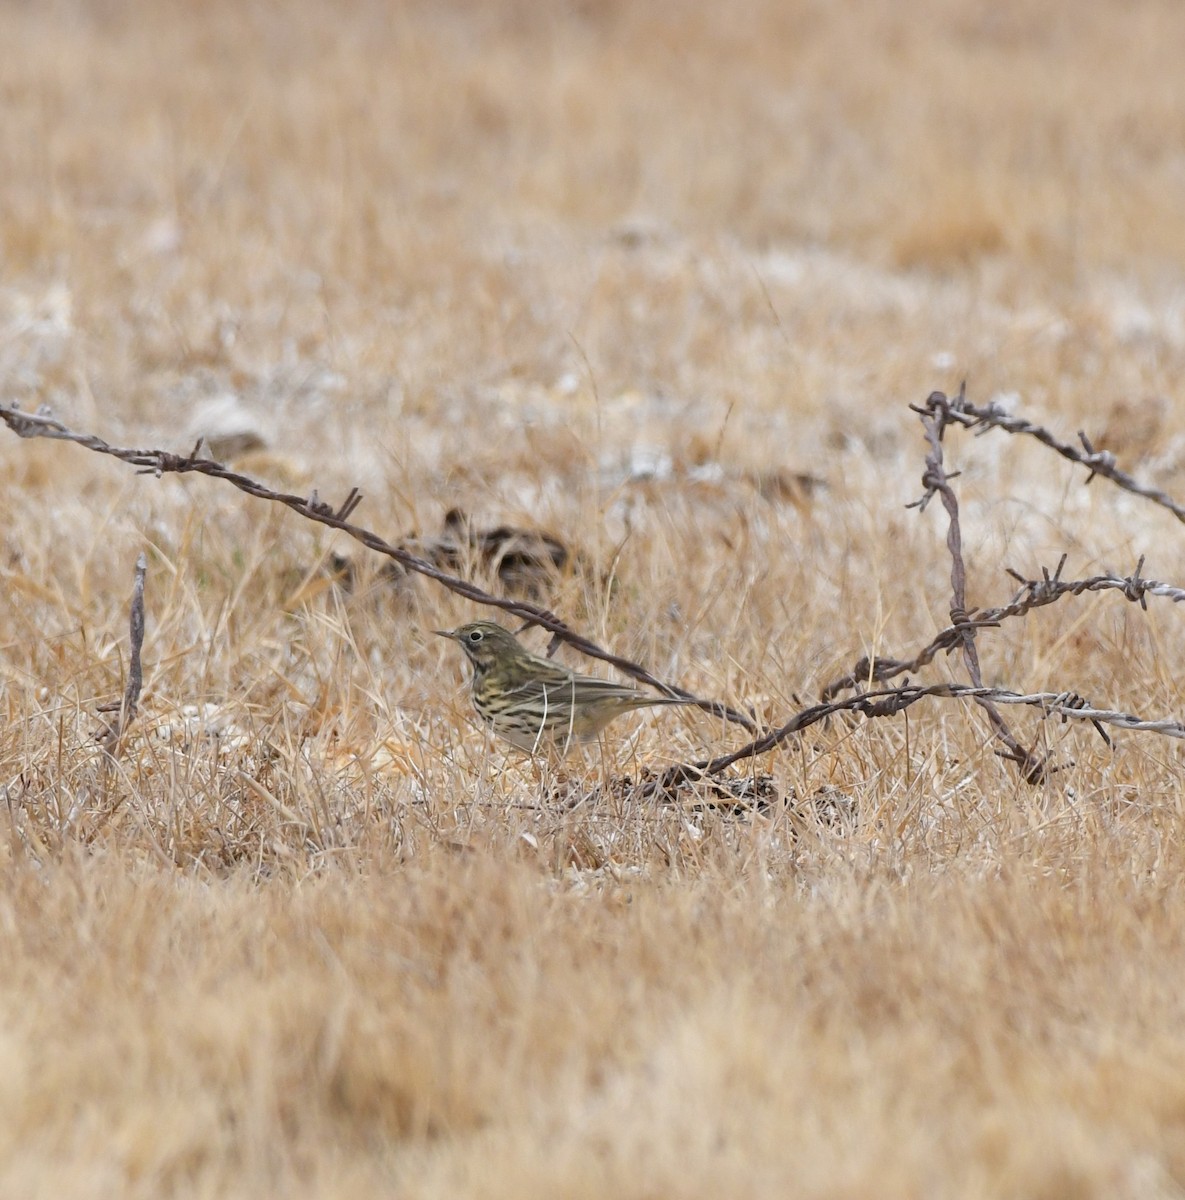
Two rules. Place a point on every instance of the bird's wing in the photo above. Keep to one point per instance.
(542, 685)
(560, 685)
(590, 690)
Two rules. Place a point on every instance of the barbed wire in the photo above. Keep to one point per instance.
(1102, 463)
(891, 701)
(43, 424)
(1034, 593)
(938, 413)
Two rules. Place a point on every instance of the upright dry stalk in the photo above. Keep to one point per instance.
(110, 737)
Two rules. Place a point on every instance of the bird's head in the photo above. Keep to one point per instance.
(485, 642)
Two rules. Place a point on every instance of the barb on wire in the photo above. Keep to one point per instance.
(1037, 592)
(160, 462)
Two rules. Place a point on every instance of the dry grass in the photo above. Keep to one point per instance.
(313, 934)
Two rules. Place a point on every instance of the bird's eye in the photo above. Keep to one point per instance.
(475, 636)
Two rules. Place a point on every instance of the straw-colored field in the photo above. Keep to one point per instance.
(661, 279)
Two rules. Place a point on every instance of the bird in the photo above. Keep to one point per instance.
(533, 703)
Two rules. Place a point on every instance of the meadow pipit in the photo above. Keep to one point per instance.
(534, 703)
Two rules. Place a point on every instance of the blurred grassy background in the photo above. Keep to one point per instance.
(661, 278)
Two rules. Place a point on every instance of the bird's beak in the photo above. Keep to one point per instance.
(448, 633)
